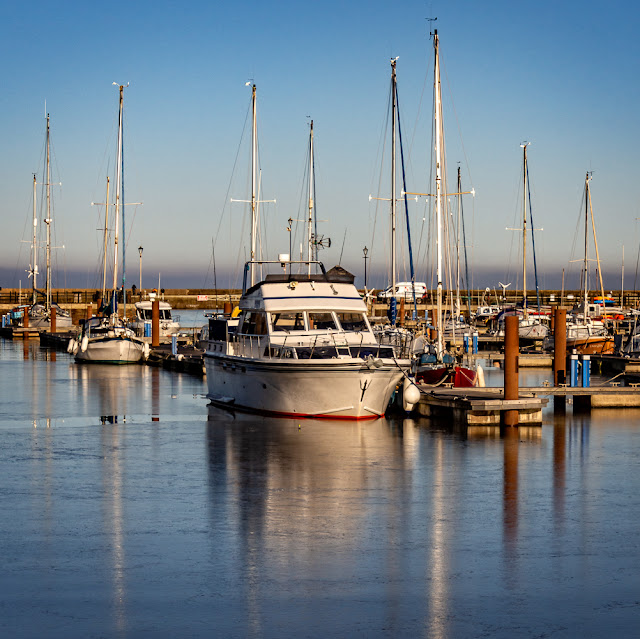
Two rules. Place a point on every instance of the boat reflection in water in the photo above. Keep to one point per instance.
(104, 385)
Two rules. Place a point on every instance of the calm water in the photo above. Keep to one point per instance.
(131, 509)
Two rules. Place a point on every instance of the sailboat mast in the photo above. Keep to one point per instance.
(393, 174)
(124, 235)
(48, 220)
(586, 248)
(34, 246)
(118, 202)
(310, 220)
(254, 177)
(104, 256)
(524, 229)
(458, 226)
(438, 194)
(595, 241)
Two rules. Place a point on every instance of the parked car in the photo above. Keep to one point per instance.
(403, 289)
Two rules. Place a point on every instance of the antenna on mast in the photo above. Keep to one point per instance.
(431, 33)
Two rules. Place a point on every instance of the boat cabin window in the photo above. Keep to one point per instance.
(321, 321)
(147, 314)
(286, 322)
(352, 321)
(255, 323)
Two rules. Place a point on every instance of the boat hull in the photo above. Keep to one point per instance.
(337, 389)
(111, 350)
(457, 376)
(45, 322)
(592, 345)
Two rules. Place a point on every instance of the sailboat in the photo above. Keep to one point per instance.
(393, 334)
(585, 333)
(40, 311)
(105, 338)
(303, 345)
(530, 324)
(436, 366)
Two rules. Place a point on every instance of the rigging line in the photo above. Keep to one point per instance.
(381, 151)
(533, 242)
(233, 170)
(343, 241)
(406, 208)
(312, 170)
(427, 76)
(464, 245)
(455, 114)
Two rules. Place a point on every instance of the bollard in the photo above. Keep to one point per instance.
(475, 343)
(573, 371)
(174, 345)
(155, 323)
(560, 347)
(52, 327)
(511, 354)
(586, 371)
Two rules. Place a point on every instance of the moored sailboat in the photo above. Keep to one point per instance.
(435, 365)
(532, 325)
(105, 338)
(588, 335)
(39, 312)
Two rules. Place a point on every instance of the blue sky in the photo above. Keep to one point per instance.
(562, 75)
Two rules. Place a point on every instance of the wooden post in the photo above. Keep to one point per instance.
(511, 354)
(89, 311)
(401, 314)
(560, 347)
(155, 323)
(52, 327)
(25, 317)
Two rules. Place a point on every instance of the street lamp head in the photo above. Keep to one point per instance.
(365, 250)
(140, 249)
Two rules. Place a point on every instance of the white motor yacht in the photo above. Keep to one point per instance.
(303, 346)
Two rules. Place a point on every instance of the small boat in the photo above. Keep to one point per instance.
(531, 324)
(141, 324)
(585, 333)
(589, 336)
(105, 338)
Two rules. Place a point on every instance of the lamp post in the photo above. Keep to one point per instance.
(365, 251)
(140, 249)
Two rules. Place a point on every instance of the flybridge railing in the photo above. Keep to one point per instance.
(284, 263)
(321, 347)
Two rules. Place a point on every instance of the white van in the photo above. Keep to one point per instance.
(404, 289)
